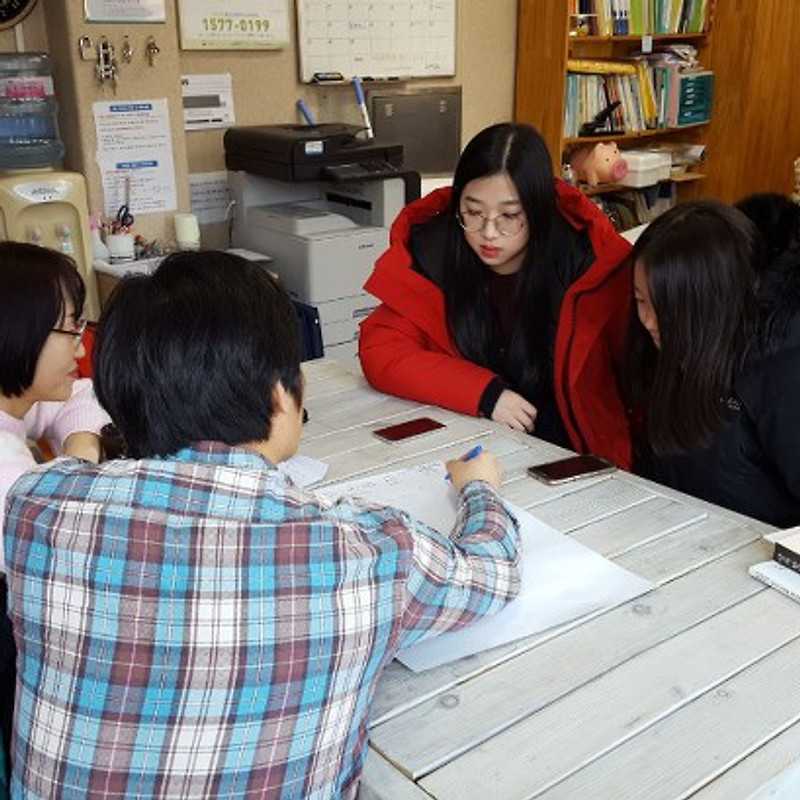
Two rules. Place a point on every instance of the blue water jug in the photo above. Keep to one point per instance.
(29, 135)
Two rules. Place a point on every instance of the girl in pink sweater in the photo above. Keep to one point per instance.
(41, 333)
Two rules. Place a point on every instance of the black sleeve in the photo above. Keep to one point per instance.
(773, 408)
(491, 394)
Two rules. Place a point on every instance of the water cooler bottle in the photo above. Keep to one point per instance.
(38, 203)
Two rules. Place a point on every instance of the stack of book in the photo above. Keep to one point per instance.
(783, 572)
(660, 90)
(594, 85)
(637, 17)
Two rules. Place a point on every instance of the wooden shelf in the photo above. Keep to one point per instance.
(610, 188)
(605, 188)
(629, 137)
(544, 48)
(656, 37)
(687, 177)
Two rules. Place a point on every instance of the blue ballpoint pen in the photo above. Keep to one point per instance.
(474, 453)
(362, 107)
(306, 112)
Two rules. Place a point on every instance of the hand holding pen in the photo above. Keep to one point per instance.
(476, 465)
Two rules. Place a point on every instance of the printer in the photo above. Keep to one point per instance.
(319, 201)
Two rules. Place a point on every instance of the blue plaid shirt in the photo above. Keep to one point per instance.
(198, 626)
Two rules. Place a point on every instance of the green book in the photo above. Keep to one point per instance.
(636, 21)
(698, 20)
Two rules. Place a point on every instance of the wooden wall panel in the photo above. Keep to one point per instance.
(755, 134)
(542, 30)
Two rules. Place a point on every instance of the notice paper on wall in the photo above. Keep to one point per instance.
(562, 580)
(124, 10)
(207, 101)
(134, 154)
(210, 196)
(233, 24)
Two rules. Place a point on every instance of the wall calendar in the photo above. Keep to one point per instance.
(378, 39)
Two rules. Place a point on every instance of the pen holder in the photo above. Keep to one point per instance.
(120, 247)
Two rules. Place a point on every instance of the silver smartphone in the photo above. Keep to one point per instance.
(570, 469)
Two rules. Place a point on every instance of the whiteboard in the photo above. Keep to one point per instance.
(376, 38)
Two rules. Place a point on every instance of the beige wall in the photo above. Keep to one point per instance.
(265, 85)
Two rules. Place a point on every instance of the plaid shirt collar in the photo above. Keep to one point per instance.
(221, 454)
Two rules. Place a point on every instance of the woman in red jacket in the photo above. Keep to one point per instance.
(506, 297)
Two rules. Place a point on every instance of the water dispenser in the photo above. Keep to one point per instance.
(49, 208)
(39, 203)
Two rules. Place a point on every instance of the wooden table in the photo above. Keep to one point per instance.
(692, 690)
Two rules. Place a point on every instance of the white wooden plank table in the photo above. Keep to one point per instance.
(689, 691)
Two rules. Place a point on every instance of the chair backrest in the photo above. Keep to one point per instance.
(85, 363)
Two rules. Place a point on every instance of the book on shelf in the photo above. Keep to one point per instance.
(628, 208)
(638, 17)
(655, 91)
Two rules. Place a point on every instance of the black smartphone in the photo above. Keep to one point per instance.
(404, 430)
(570, 469)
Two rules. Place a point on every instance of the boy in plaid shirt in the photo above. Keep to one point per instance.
(189, 622)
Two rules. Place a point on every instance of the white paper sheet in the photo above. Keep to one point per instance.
(134, 154)
(562, 580)
(210, 197)
(124, 10)
(304, 470)
(233, 24)
(207, 101)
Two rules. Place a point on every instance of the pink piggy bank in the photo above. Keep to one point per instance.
(598, 163)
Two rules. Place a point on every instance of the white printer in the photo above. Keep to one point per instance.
(319, 202)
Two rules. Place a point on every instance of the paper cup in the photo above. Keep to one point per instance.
(187, 232)
(120, 247)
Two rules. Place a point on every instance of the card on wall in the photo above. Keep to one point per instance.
(124, 10)
(233, 24)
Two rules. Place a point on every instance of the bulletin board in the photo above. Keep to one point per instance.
(377, 39)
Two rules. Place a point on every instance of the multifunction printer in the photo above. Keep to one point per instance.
(319, 201)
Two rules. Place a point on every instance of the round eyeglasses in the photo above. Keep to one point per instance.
(505, 224)
(77, 331)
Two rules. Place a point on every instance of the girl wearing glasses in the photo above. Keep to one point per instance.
(41, 298)
(41, 332)
(506, 296)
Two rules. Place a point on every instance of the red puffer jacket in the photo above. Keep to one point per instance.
(405, 348)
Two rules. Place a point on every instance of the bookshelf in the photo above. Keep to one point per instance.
(544, 47)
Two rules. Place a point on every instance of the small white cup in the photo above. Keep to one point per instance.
(187, 232)
(120, 247)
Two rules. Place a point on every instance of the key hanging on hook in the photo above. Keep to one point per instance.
(85, 47)
(126, 51)
(152, 50)
(106, 67)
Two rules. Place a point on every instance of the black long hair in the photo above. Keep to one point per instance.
(194, 351)
(35, 285)
(778, 219)
(521, 153)
(699, 261)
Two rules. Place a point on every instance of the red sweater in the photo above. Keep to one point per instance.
(405, 348)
